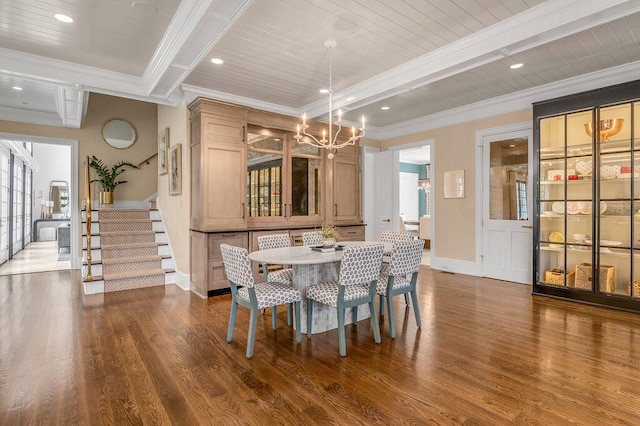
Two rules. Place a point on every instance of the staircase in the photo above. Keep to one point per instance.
(129, 249)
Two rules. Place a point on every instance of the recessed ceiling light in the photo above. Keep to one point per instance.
(350, 98)
(516, 66)
(384, 108)
(324, 91)
(18, 88)
(512, 145)
(63, 18)
(217, 61)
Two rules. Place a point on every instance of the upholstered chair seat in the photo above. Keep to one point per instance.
(245, 292)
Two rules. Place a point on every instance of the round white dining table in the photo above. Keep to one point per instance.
(311, 267)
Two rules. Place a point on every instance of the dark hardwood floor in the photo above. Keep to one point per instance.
(488, 353)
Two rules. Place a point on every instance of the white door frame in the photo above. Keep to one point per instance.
(525, 126)
(396, 184)
(75, 222)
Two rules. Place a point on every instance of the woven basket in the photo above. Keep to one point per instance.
(556, 277)
(607, 277)
(636, 288)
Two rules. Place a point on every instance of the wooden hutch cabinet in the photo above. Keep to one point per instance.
(250, 177)
(587, 199)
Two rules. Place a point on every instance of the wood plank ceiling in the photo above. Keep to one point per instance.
(420, 58)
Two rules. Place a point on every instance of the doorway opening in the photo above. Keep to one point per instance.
(43, 204)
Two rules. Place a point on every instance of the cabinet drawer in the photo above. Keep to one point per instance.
(238, 239)
(222, 131)
(217, 278)
(351, 233)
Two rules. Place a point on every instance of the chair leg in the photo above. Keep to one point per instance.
(406, 299)
(289, 314)
(416, 308)
(232, 320)
(341, 334)
(354, 315)
(374, 320)
(309, 316)
(381, 304)
(392, 326)
(253, 319)
(298, 326)
(274, 317)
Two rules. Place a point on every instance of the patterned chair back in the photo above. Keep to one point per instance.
(360, 264)
(406, 257)
(395, 237)
(312, 238)
(273, 241)
(237, 265)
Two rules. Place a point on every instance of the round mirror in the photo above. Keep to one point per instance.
(119, 133)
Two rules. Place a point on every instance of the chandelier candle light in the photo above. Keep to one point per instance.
(331, 143)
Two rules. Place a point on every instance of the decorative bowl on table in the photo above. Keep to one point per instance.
(608, 127)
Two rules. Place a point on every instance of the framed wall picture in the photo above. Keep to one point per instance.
(454, 184)
(175, 170)
(163, 149)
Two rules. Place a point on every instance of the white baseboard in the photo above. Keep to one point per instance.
(181, 280)
(455, 266)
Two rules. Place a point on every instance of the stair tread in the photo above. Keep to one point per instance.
(127, 259)
(113, 245)
(134, 274)
(95, 278)
(129, 245)
(150, 231)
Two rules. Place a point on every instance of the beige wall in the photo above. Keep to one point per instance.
(143, 115)
(454, 149)
(175, 208)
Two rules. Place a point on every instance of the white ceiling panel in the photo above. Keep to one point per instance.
(420, 57)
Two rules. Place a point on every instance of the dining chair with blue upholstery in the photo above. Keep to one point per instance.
(245, 292)
(395, 280)
(356, 285)
(393, 237)
(312, 238)
(285, 275)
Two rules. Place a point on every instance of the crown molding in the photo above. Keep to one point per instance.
(193, 92)
(509, 103)
(541, 24)
(194, 30)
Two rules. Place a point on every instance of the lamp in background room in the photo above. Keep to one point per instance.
(329, 141)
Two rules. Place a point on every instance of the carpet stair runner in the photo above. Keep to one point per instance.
(126, 250)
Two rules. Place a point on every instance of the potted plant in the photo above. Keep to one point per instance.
(329, 235)
(107, 177)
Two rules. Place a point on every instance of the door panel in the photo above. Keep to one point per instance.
(383, 192)
(506, 182)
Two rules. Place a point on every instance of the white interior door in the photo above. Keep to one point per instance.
(383, 166)
(507, 234)
(409, 196)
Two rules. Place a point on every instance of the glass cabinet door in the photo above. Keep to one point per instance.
(306, 179)
(264, 174)
(565, 209)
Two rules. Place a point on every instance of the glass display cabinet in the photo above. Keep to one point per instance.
(587, 207)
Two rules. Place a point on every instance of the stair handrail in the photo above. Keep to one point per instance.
(87, 192)
(147, 161)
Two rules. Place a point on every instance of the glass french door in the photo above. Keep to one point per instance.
(4, 204)
(18, 206)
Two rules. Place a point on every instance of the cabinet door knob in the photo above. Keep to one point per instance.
(386, 220)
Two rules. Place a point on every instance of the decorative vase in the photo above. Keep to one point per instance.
(328, 242)
(106, 197)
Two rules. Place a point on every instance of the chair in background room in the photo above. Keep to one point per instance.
(395, 237)
(394, 280)
(356, 285)
(285, 275)
(412, 230)
(312, 238)
(254, 297)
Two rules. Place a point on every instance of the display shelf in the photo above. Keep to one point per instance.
(588, 183)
